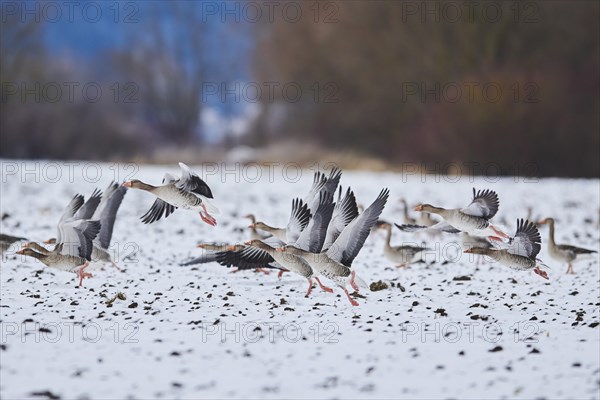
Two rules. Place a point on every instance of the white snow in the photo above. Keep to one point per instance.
(204, 332)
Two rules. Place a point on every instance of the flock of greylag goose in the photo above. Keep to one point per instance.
(324, 234)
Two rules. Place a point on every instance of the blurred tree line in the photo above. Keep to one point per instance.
(386, 59)
(384, 79)
(119, 103)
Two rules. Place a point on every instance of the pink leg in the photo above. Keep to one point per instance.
(83, 274)
(235, 271)
(325, 288)
(309, 288)
(116, 266)
(280, 273)
(208, 218)
(403, 265)
(570, 270)
(541, 273)
(352, 301)
(352, 282)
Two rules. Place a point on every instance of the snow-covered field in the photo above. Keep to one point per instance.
(452, 330)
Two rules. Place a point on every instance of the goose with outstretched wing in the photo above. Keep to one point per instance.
(187, 192)
(72, 252)
(473, 219)
(521, 252)
(335, 262)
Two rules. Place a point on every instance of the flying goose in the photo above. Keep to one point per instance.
(335, 262)
(521, 252)
(188, 192)
(74, 242)
(473, 219)
(102, 207)
(311, 238)
(564, 252)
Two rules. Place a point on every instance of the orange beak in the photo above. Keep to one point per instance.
(127, 184)
(469, 251)
(201, 245)
(20, 252)
(248, 242)
(252, 226)
(419, 207)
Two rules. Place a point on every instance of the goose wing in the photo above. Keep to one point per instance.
(313, 236)
(298, 220)
(485, 204)
(345, 211)
(77, 238)
(74, 205)
(191, 182)
(107, 213)
(353, 237)
(247, 258)
(321, 182)
(527, 240)
(90, 206)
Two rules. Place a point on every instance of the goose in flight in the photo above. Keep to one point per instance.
(473, 219)
(312, 237)
(335, 262)
(188, 192)
(74, 246)
(101, 207)
(521, 252)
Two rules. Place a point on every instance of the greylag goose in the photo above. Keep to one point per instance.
(189, 192)
(74, 245)
(335, 262)
(311, 238)
(403, 255)
(564, 252)
(7, 240)
(102, 207)
(473, 219)
(521, 252)
(260, 252)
